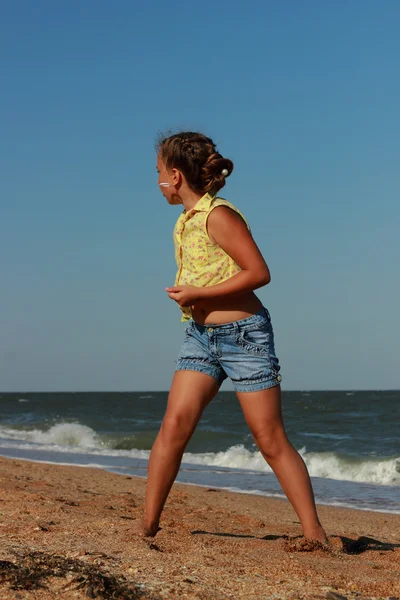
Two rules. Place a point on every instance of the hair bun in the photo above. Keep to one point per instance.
(196, 156)
(214, 172)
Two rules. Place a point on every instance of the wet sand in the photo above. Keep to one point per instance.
(68, 532)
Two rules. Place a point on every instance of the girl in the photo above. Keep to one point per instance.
(229, 332)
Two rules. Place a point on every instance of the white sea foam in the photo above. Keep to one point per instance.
(62, 434)
(331, 466)
(74, 437)
(236, 457)
(327, 465)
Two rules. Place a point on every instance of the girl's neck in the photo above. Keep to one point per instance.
(189, 198)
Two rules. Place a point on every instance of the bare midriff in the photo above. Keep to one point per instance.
(226, 310)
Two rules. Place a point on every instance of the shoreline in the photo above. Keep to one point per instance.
(214, 544)
(252, 492)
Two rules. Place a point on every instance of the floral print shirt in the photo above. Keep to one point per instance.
(200, 261)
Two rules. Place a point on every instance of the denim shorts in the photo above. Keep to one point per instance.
(242, 350)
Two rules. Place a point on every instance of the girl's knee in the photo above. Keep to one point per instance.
(175, 430)
(271, 441)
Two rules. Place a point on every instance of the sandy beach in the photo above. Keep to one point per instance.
(69, 532)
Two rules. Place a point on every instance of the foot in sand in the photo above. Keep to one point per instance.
(316, 534)
(142, 529)
(305, 545)
(150, 530)
(314, 539)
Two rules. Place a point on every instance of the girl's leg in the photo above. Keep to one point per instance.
(190, 393)
(262, 411)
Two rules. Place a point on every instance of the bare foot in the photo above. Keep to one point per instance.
(317, 534)
(141, 529)
(305, 545)
(150, 530)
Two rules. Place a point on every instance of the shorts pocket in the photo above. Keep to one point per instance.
(257, 341)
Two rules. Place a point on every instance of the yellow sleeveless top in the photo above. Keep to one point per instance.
(200, 261)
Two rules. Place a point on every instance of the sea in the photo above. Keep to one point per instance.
(349, 440)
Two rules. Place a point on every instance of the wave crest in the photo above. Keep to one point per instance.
(62, 434)
(68, 437)
(328, 465)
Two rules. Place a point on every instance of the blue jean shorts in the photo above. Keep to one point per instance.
(242, 350)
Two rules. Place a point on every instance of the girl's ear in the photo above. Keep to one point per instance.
(177, 177)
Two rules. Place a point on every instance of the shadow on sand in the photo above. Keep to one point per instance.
(349, 546)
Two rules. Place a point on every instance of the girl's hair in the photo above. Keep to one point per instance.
(196, 156)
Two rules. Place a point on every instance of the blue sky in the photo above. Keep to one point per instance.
(303, 96)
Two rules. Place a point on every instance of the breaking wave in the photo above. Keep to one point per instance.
(73, 437)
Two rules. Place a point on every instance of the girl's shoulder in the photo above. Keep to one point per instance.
(223, 202)
(219, 201)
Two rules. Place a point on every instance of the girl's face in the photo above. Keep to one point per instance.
(167, 180)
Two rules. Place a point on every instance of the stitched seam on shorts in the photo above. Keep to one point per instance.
(188, 365)
(258, 380)
(252, 348)
(256, 387)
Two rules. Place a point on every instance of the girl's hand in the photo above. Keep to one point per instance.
(184, 295)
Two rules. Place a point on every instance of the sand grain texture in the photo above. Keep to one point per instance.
(68, 532)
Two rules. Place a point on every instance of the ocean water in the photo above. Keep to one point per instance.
(349, 440)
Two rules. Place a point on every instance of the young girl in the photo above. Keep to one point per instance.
(229, 332)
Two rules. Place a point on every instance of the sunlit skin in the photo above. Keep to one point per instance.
(233, 299)
(191, 391)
